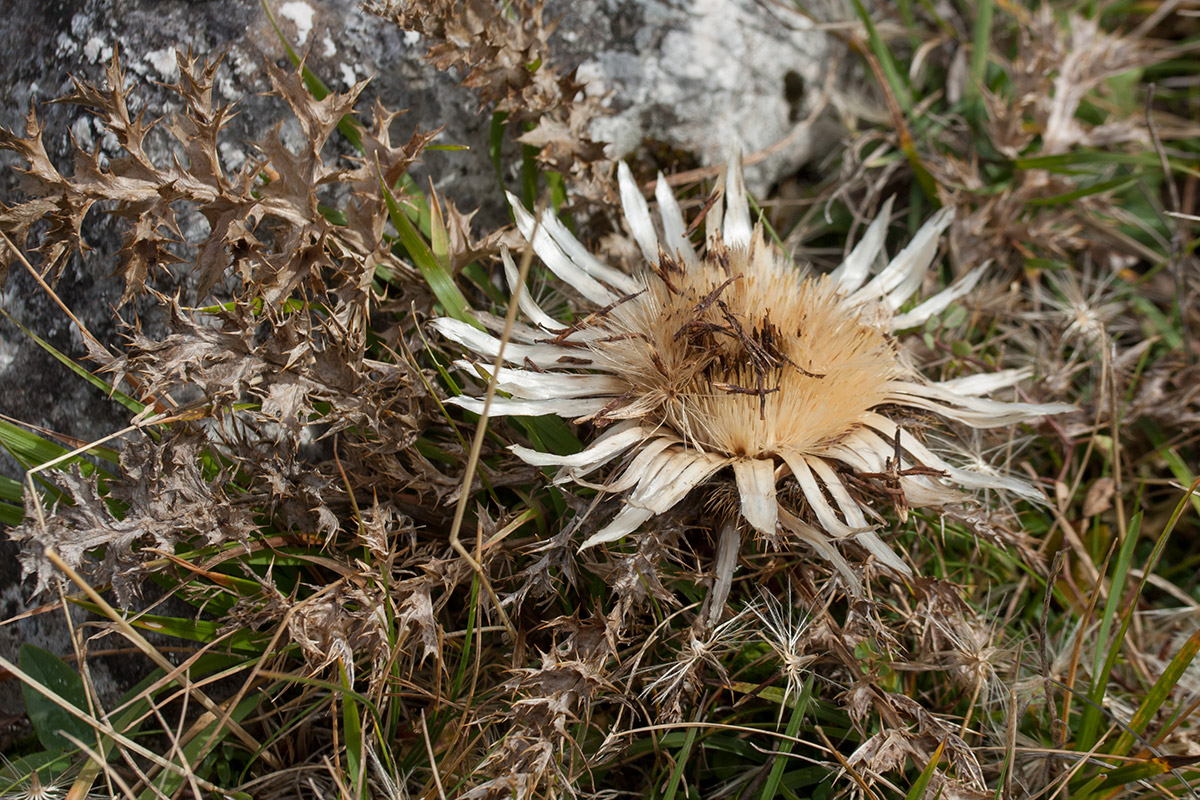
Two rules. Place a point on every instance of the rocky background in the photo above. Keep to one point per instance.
(681, 76)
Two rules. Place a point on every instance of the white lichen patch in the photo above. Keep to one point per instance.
(164, 63)
(299, 14)
(81, 129)
(96, 50)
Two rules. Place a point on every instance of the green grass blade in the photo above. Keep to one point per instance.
(11, 491)
(681, 759)
(771, 785)
(439, 280)
(530, 173)
(1114, 779)
(1147, 571)
(99, 383)
(352, 732)
(49, 720)
(895, 78)
(417, 206)
(917, 790)
(1102, 666)
(1162, 325)
(244, 640)
(29, 448)
(981, 45)
(1063, 162)
(1114, 185)
(11, 515)
(1178, 466)
(1157, 695)
(464, 662)
(496, 144)
(550, 434)
(439, 237)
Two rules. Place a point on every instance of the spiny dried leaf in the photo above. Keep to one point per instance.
(291, 371)
(502, 52)
(1056, 66)
(559, 141)
(340, 626)
(894, 749)
(162, 500)
(264, 221)
(416, 613)
(133, 186)
(537, 749)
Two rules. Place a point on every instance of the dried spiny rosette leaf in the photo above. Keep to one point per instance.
(1058, 62)
(736, 359)
(271, 232)
(503, 53)
(548, 703)
(169, 500)
(279, 378)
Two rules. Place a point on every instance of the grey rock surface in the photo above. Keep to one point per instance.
(693, 75)
(699, 75)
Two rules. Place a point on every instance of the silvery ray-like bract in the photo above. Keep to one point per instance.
(737, 359)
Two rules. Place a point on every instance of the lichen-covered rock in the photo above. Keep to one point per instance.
(699, 74)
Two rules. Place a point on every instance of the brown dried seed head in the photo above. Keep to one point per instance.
(750, 360)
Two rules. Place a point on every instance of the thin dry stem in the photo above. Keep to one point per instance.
(477, 447)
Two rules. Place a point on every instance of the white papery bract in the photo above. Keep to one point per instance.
(734, 360)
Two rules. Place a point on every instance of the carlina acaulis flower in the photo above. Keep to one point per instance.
(735, 359)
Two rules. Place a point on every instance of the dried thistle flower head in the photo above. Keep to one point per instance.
(737, 359)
